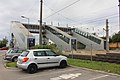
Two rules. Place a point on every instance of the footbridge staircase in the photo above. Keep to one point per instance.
(65, 38)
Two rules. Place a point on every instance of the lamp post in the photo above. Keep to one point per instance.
(119, 15)
(28, 30)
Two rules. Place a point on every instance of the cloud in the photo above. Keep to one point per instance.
(76, 15)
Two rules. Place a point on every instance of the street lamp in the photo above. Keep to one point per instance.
(28, 30)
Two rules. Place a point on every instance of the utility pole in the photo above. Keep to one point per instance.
(58, 24)
(67, 25)
(119, 16)
(40, 27)
(107, 36)
(51, 23)
(91, 52)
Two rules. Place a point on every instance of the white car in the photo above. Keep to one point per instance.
(32, 60)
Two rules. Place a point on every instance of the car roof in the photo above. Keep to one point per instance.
(39, 50)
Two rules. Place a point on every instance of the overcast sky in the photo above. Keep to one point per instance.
(88, 15)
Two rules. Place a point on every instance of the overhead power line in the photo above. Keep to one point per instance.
(97, 19)
(76, 21)
(100, 19)
(30, 9)
(86, 21)
(62, 9)
(60, 14)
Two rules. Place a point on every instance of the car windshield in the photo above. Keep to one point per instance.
(14, 51)
(9, 51)
(25, 53)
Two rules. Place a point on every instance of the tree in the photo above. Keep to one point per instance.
(3, 42)
(110, 39)
(116, 38)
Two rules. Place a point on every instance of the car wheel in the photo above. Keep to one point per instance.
(14, 59)
(32, 68)
(63, 64)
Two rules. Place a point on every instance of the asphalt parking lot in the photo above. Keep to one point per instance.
(69, 73)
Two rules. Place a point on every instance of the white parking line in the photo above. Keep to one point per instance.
(45, 74)
(66, 76)
(98, 77)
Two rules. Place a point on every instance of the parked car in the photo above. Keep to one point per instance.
(12, 54)
(32, 60)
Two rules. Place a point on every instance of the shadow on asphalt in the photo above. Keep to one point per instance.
(43, 70)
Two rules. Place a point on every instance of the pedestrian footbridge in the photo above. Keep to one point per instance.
(65, 38)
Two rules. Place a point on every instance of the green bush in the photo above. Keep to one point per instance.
(53, 47)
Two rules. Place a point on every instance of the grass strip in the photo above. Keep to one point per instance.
(11, 64)
(102, 66)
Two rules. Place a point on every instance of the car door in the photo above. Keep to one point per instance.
(40, 58)
(53, 59)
